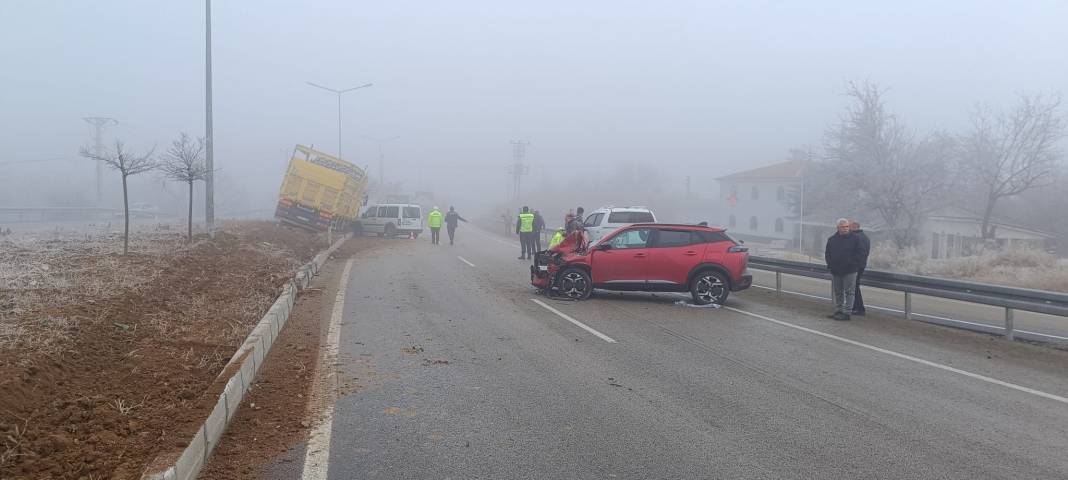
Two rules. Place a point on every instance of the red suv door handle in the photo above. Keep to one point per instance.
(689, 253)
(639, 255)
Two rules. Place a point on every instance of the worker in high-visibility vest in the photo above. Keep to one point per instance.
(524, 226)
(434, 222)
(558, 238)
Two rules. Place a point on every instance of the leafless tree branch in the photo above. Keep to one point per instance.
(1008, 153)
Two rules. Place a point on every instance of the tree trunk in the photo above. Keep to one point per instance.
(189, 227)
(987, 213)
(126, 218)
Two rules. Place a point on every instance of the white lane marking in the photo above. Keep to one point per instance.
(462, 259)
(924, 315)
(903, 356)
(572, 320)
(317, 454)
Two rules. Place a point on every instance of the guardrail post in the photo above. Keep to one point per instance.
(1009, 323)
(908, 306)
(778, 282)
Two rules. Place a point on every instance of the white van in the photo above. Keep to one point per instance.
(390, 219)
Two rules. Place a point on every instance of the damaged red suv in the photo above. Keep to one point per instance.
(650, 257)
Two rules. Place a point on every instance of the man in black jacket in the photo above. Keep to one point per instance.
(452, 219)
(865, 249)
(843, 255)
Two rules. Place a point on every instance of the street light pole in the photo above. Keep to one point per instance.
(209, 156)
(339, 92)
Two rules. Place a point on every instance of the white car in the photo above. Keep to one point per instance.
(605, 220)
(391, 219)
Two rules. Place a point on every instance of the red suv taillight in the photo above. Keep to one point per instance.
(738, 249)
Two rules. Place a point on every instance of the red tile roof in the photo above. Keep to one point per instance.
(788, 169)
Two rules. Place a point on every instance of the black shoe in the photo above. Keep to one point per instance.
(522, 258)
(833, 315)
(841, 317)
(859, 313)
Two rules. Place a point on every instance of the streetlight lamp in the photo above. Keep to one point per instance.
(339, 92)
(381, 162)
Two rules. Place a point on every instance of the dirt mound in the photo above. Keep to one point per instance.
(101, 371)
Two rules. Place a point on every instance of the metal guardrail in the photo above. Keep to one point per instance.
(1009, 298)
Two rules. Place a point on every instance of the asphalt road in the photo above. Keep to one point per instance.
(454, 371)
(928, 308)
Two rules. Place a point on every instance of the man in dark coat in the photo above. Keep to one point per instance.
(452, 220)
(539, 226)
(843, 260)
(865, 249)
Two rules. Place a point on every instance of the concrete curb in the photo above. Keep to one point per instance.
(244, 364)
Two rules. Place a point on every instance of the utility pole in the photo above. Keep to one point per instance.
(209, 155)
(381, 157)
(98, 124)
(687, 186)
(517, 169)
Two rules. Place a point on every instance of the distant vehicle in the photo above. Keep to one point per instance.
(651, 257)
(604, 220)
(390, 219)
(320, 191)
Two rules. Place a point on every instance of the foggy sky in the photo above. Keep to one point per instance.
(699, 88)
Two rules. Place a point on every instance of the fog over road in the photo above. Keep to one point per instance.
(458, 372)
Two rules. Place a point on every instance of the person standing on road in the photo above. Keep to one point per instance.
(843, 260)
(567, 222)
(865, 249)
(576, 222)
(539, 226)
(451, 221)
(434, 222)
(558, 238)
(524, 227)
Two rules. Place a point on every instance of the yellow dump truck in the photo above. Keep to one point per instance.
(320, 191)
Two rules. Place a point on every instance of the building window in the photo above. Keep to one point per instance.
(733, 221)
(780, 193)
(778, 224)
(753, 223)
(756, 193)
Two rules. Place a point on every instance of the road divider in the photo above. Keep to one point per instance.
(241, 370)
(572, 320)
(462, 259)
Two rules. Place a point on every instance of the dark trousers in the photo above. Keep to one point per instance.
(858, 299)
(435, 234)
(536, 237)
(452, 233)
(526, 244)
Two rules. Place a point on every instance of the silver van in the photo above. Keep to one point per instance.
(390, 219)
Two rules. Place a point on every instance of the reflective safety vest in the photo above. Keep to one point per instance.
(434, 219)
(526, 222)
(558, 237)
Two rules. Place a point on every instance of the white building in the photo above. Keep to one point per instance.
(760, 203)
(956, 232)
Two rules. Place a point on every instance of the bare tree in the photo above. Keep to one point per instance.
(184, 162)
(1008, 153)
(127, 164)
(881, 166)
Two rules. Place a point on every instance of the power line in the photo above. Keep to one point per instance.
(41, 160)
